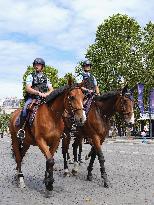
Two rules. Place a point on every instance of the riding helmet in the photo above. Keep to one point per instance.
(39, 61)
(86, 63)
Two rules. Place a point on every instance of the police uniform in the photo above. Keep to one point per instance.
(39, 82)
(89, 81)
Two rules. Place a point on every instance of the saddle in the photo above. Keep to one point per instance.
(88, 102)
(31, 106)
(32, 109)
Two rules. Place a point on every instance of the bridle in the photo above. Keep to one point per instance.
(70, 111)
(122, 103)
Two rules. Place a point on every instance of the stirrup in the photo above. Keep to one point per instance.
(73, 128)
(21, 133)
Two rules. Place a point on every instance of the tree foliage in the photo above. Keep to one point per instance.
(117, 52)
(148, 58)
(4, 122)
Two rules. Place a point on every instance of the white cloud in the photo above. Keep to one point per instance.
(66, 25)
(10, 89)
(65, 67)
(16, 56)
(30, 29)
(32, 18)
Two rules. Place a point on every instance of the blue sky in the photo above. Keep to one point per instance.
(57, 30)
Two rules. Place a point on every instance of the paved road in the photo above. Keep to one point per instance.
(130, 169)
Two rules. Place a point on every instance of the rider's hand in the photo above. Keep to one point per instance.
(90, 91)
(43, 95)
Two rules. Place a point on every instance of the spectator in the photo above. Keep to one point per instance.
(143, 134)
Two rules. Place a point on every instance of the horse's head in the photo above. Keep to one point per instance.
(124, 105)
(74, 104)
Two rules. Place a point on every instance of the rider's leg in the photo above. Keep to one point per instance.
(23, 114)
(22, 119)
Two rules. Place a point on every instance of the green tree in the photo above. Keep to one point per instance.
(117, 52)
(4, 122)
(64, 80)
(148, 59)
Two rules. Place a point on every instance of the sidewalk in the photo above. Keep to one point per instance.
(130, 140)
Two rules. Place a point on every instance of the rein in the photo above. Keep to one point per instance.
(70, 106)
(127, 95)
(66, 113)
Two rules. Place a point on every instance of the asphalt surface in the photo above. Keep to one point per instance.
(129, 165)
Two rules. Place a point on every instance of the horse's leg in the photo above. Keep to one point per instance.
(101, 161)
(49, 163)
(90, 167)
(80, 151)
(88, 155)
(102, 167)
(18, 159)
(65, 147)
(97, 146)
(75, 154)
(24, 149)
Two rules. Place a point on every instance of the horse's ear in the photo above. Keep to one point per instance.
(125, 90)
(70, 80)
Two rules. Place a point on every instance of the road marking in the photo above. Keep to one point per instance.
(135, 152)
(122, 151)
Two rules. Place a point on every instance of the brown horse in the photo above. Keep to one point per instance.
(47, 129)
(96, 128)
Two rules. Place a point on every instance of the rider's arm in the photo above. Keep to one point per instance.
(97, 90)
(30, 90)
(96, 86)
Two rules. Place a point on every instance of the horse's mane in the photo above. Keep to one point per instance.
(55, 93)
(58, 92)
(106, 96)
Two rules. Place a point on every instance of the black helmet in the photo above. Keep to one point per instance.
(39, 61)
(86, 62)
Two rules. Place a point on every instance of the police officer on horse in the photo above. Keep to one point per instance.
(90, 85)
(37, 85)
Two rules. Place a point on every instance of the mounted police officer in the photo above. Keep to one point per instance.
(37, 85)
(89, 81)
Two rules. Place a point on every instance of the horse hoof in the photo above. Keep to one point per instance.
(66, 173)
(106, 185)
(49, 187)
(20, 180)
(74, 172)
(48, 193)
(89, 177)
(21, 183)
(81, 162)
(86, 157)
(70, 161)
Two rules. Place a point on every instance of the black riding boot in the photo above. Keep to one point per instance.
(21, 132)
(22, 120)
